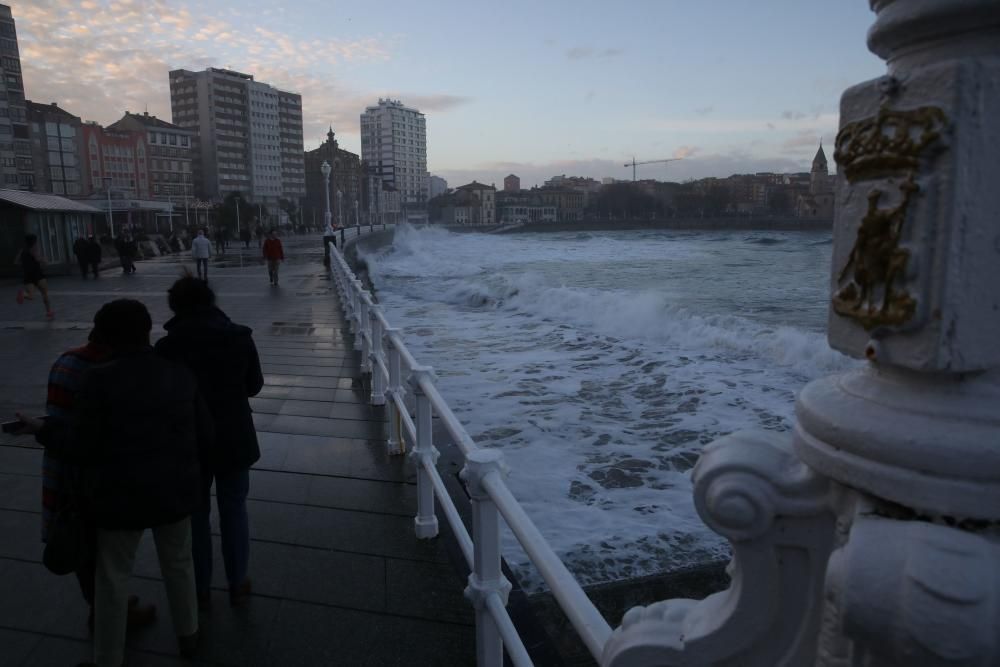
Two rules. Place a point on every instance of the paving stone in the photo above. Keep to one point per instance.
(21, 492)
(427, 590)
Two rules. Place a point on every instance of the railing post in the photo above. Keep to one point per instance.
(356, 306)
(376, 356)
(486, 578)
(425, 523)
(394, 444)
(364, 333)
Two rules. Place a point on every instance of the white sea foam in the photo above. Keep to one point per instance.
(602, 363)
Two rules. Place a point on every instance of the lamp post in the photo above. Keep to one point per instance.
(111, 221)
(236, 200)
(325, 169)
(357, 215)
(187, 221)
(340, 207)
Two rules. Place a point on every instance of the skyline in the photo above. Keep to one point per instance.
(755, 88)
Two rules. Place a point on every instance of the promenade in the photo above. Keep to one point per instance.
(338, 576)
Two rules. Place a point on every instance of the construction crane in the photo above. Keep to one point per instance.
(635, 164)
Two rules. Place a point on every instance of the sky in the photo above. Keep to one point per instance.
(534, 88)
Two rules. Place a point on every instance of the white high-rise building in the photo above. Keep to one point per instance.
(394, 146)
(248, 135)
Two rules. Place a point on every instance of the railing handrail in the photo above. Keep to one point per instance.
(483, 473)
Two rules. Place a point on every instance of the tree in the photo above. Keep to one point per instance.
(625, 200)
(779, 202)
(227, 212)
(291, 209)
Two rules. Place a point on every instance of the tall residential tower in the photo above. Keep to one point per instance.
(15, 141)
(394, 146)
(248, 135)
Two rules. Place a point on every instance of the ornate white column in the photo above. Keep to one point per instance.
(875, 539)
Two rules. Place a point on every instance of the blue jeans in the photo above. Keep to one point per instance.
(231, 498)
(202, 265)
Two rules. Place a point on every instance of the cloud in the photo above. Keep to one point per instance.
(583, 52)
(803, 140)
(793, 115)
(721, 125)
(686, 152)
(103, 58)
(704, 111)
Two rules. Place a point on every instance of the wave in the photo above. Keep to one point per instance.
(765, 241)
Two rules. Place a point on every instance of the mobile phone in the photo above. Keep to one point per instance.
(12, 427)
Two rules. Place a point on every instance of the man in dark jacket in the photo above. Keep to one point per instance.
(80, 250)
(224, 359)
(93, 254)
(139, 425)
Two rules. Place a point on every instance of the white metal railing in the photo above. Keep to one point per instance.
(386, 358)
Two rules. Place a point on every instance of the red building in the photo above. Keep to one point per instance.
(121, 156)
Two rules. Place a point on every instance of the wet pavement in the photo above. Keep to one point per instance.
(339, 578)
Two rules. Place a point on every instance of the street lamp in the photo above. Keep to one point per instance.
(187, 221)
(340, 207)
(325, 169)
(236, 200)
(111, 220)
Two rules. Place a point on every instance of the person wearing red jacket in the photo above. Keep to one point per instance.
(273, 255)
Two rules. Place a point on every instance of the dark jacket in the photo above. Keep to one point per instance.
(138, 427)
(224, 358)
(93, 252)
(80, 250)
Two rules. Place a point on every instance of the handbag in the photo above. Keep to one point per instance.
(66, 546)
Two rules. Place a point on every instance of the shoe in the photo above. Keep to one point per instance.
(50, 315)
(139, 616)
(188, 645)
(240, 595)
(20, 297)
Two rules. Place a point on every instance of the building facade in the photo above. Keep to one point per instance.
(474, 204)
(523, 206)
(394, 145)
(347, 177)
(511, 183)
(168, 154)
(115, 159)
(17, 170)
(247, 135)
(436, 186)
(57, 149)
(819, 202)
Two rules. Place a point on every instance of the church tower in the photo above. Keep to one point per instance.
(819, 176)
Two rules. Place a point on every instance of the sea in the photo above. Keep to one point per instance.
(601, 363)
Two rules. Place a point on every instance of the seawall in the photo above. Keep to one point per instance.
(680, 224)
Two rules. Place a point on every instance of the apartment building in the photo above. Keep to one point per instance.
(247, 135)
(17, 169)
(168, 154)
(394, 146)
(57, 149)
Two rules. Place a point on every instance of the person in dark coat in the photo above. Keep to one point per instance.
(93, 255)
(140, 425)
(80, 252)
(224, 358)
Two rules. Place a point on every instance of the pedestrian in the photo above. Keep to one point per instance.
(201, 250)
(246, 237)
(259, 233)
(131, 251)
(220, 241)
(94, 255)
(33, 274)
(140, 424)
(120, 249)
(329, 238)
(80, 252)
(274, 254)
(63, 482)
(223, 357)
